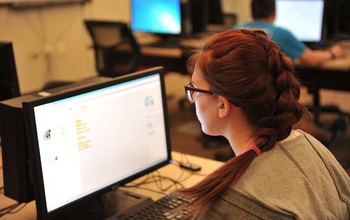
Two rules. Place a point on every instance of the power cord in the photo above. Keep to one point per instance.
(11, 209)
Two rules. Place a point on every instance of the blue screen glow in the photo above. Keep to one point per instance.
(156, 16)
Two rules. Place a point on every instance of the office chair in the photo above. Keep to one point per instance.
(116, 49)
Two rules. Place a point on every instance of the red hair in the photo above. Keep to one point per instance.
(251, 72)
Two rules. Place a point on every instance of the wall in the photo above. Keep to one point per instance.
(51, 43)
(239, 7)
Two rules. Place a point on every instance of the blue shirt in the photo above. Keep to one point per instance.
(287, 42)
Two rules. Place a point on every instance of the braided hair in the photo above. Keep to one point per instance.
(251, 72)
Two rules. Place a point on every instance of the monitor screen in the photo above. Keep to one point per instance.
(304, 18)
(9, 87)
(156, 16)
(96, 138)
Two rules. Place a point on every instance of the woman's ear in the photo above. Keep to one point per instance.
(224, 107)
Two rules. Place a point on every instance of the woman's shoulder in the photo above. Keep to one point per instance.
(236, 205)
(288, 177)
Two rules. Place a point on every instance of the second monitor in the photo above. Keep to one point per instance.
(156, 16)
(304, 18)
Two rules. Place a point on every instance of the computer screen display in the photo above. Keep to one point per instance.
(304, 18)
(156, 16)
(95, 138)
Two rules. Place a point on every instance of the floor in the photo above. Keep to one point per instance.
(186, 135)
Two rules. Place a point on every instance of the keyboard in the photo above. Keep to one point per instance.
(169, 207)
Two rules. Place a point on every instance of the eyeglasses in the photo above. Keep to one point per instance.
(191, 91)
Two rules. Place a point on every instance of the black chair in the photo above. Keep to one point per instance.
(116, 49)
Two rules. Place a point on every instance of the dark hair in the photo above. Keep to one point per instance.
(251, 72)
(262, 8)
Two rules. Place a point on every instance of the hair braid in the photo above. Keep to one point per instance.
(251, 72)
(284, 113)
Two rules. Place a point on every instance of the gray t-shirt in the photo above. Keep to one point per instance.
(298, 179)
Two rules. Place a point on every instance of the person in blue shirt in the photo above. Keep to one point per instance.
(264, 14)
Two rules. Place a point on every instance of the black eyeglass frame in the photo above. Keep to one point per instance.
(190, 89)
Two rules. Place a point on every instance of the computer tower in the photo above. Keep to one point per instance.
(15, 157)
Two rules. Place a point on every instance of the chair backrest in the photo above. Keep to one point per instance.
(116, 49)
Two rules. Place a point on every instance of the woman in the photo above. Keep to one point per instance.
(244, 89)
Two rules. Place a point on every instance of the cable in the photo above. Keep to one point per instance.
(160, 183)
(11, 209)
(158, 179)
(186, 164)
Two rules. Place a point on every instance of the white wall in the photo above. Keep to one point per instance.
(51, 43)
(240, 7)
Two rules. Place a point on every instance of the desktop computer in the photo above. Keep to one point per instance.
(82, 147)
(15, 156)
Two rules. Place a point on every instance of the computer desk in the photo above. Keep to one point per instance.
(172, 171)
(333, 75)
(174, 59)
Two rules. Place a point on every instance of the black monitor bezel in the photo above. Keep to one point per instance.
(34, 150)
(337, 25)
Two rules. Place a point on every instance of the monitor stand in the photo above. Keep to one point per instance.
(166, 42)
(107, 206)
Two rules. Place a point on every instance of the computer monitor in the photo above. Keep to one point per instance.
(304, 18)
(204, 13)
(216, 14)
(88, 141)
(156, 16)
(9, 87)
(338, 19)
(17, 181)
(199, 15)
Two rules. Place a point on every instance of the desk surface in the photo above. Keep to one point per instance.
(339, 64)
(172, 171)
(173, 52)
